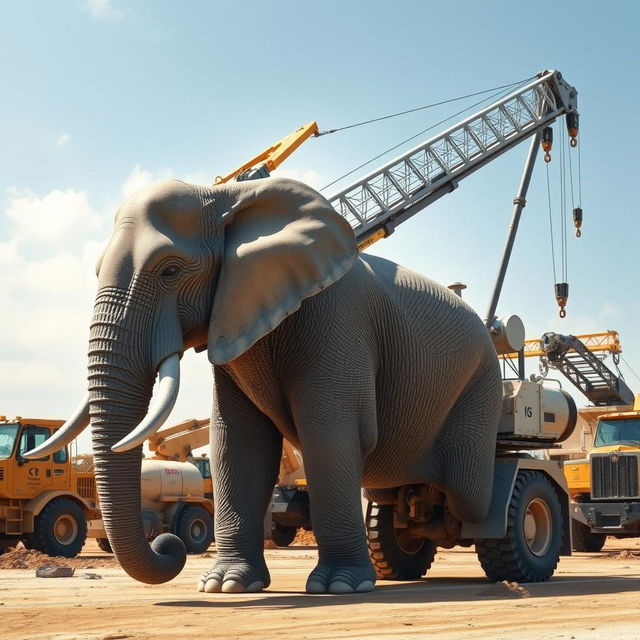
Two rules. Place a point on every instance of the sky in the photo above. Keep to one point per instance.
(103, 97)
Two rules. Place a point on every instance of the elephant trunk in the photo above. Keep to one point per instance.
(119, 395)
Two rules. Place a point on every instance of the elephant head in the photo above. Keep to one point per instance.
(188, 266)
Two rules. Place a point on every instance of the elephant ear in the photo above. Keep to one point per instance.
(283, 242)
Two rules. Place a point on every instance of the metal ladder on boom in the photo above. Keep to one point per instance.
(586, 371)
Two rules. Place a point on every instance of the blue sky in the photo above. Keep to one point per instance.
(104, 96)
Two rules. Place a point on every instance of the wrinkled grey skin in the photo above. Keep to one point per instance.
(381, 376)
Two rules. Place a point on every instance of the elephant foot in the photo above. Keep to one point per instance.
(341, 579)
(234, 577)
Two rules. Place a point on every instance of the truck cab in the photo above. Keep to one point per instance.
(40, 500)
(27, 478)
(605, 487)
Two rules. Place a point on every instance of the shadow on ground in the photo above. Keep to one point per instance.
(428, 590)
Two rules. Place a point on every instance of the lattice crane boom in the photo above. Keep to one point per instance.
(391, 194)
(380, 201)
(585, 370)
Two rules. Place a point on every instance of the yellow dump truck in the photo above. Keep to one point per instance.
(51, 504)
(605, 486)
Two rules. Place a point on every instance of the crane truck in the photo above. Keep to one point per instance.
(527, 527)
(604, 486)
(51, 504)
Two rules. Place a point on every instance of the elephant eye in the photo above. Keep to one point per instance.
(171, 271)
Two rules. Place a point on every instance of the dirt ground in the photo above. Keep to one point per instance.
(591, 597)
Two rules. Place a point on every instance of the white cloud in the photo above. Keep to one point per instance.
(59, 217)
(311, 177)
(141, 178)
(103, 9)
(47, 282)
(63, 140)
(199, 177)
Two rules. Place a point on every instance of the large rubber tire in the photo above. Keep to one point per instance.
(283, 535)
(195, 529)
(530, 550)
(104, 544)
(584, 540)
(394, 555)
(60, 529)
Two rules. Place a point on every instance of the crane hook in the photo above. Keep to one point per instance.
(573, 120)
(562, 294)
(577, 220)
(547, 142)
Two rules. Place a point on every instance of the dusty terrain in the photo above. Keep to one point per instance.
(591, 597)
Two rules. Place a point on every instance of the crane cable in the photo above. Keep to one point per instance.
(563, 204)
(630, 367)
(500, 91)
(566, 184)
(553, 249)
(561, 287)
(427, 106)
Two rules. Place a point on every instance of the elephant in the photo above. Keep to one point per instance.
(380, 376)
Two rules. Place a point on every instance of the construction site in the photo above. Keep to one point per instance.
(375, 452)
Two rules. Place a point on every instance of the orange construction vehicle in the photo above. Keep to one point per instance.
(51, 504)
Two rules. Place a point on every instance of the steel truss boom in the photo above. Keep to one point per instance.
(586, 371)
(376, 204)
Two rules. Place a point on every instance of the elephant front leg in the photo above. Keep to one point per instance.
(333, 466)
(245, 455)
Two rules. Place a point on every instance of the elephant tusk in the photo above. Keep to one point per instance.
(71, 429)
(161, 406)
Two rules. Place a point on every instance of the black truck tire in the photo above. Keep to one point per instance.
(60, 529)
(283, 535)
(195, 528)
(530, 550)
(584, 540)
(394, 555)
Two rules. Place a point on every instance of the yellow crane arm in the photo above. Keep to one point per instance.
(608, 341)
(178, 441)
(276, 154)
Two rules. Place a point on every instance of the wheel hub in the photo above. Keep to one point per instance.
(198, 530)
(65, 529)
(407, 543)
(537, 527)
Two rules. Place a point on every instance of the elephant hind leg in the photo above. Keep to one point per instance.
(466, 446)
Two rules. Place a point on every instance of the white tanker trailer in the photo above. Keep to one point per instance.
(173, 501)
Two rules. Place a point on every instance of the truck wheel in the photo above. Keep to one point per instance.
(283, 535)
(395, 556)
(584, 540)
(195, 529)
(60, 529)
(530, 550)
(104, 544)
